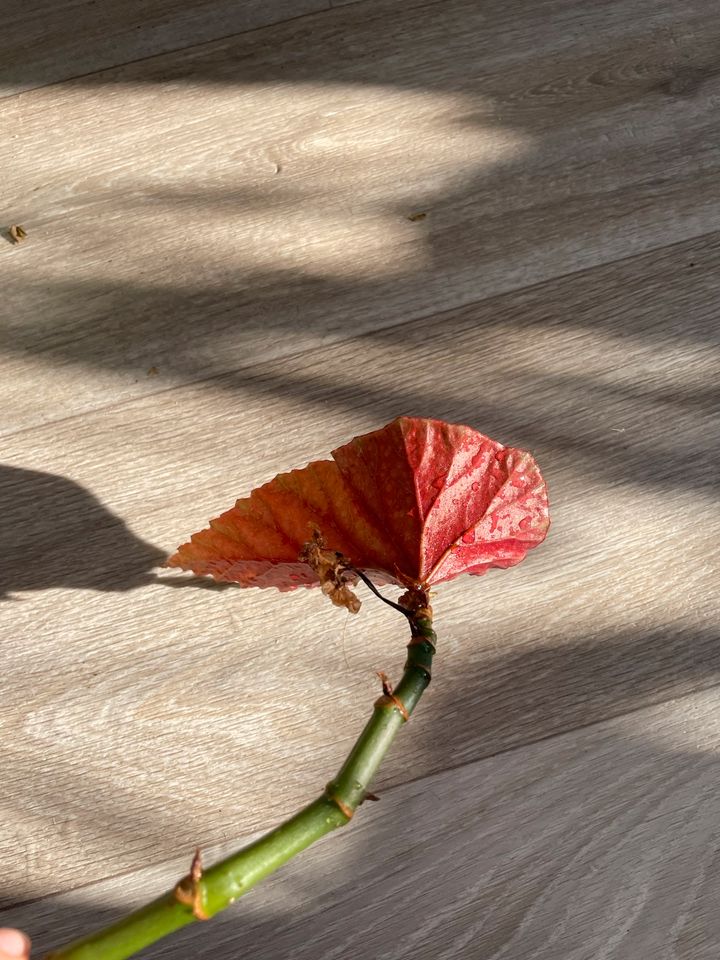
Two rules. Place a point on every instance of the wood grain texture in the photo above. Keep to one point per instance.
(211, 209)
(602, 843)
(140, 716)
(46, 42)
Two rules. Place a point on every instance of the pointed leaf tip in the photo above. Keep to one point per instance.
(418, 501)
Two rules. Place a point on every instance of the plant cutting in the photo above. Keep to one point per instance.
(414, 504)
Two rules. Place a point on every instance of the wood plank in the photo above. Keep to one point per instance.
(249, 199)
(140, 717)
(601, 843)
(46, 42)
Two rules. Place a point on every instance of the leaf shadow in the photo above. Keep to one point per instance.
(55, 533)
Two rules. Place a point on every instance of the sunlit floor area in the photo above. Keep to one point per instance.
(250, 235)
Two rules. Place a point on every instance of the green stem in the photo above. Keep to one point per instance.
(223, 883)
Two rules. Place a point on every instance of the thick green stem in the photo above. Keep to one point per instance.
(223, 883)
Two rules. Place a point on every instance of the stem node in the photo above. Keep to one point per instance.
(188, 890)
(389, 698)
(345, 810)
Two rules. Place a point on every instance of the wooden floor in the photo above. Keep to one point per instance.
(254, 231)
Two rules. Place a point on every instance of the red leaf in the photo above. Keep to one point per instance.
(419, 500)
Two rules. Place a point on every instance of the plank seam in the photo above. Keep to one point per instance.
(199, 46)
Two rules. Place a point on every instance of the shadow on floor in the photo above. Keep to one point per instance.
(54, 533)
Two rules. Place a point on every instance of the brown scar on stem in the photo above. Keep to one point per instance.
(389, 697)
(188, 890)
(417, 638)
(340, 804)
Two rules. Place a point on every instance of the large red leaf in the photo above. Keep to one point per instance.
(419, 500)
